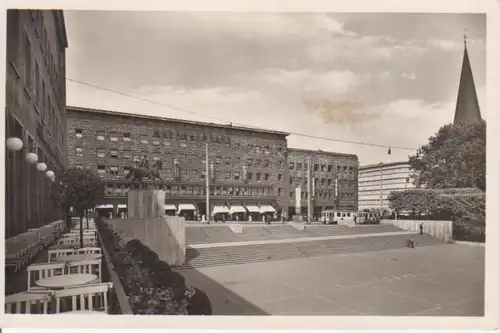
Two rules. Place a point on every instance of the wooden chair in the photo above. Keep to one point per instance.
(86, 267)
(54, 253)
(68, 241)
(43, 271)
(89, 250)
(83, 298)
(23, 302)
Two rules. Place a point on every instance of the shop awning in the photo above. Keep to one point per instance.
(220, 209)
(105, 206)
(186, 207)
(170, 207)
(253, 209)
(267, 209)
(237, 209)
(122, 206)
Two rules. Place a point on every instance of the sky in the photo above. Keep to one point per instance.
(389, 79)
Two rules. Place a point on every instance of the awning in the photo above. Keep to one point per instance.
(253, 209)
(186, 207)
(105, 206)
(122, 206)
(220, 209)
(237, 209)
(170, 207)
(267, 209)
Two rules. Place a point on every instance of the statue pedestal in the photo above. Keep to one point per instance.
(143, 203)
(166, 235)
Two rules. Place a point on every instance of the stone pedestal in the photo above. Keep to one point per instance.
(143, 203)
(166, 235)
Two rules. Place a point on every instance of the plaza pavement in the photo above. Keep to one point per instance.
(434, 280)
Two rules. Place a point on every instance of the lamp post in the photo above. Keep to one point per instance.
(14, 144)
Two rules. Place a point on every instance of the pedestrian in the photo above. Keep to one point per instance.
(421, 228)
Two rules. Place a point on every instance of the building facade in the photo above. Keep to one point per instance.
(334, 181)
(247, 167)
(35, 114)
(377, 181)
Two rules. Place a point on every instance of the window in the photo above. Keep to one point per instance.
(236, 176)
(144, 140)
(217, 160)
(237, 160)
(316, 167)
(227, 175)
(323, 181)
(101, 169)
(257, 176)
(291, 194)
(280, 192)
(257, 149)
(78, 132)
(126, 153)
(156, 158)
(182, 144)
(291, 180)
(79, 167)
(266, 163)
(101, 152)
(266, 176)
(330, 167)
(113, 153)
(184, 173)
(250, 161)
(156, 142)
(280, 176)
(323, 168)
(113, 170)
(202, 174)
(167, 143)
(249, 176)
(299, 166)
(126, 136)
(329, 182)
(291, 165)
(100, 135)
(79, 151)
(113, 137)
(227, 161)
(126, 170)
(257, 162)
(267, 151)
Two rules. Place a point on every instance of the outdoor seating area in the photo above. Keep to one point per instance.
(70, 282)
(22, 249)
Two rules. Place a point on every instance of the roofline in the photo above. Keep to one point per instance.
(321, 151)
(181, 121)
(377, 165)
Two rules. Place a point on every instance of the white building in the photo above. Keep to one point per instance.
(377, 181)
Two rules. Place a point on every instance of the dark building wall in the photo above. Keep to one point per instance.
(35, 113)
(325, 168)
(119, 138)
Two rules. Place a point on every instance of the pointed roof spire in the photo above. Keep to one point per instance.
(467, 109)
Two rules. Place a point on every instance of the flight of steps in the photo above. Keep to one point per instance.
(222, 234)
(233, 255)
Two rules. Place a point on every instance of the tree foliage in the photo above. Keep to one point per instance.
(465, 206)
(80, 189)
(454, 157)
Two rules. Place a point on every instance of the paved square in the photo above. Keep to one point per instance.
(441, 280)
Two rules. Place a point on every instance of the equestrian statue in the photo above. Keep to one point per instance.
(144, 175)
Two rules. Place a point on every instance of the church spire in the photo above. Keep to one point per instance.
(467, 109)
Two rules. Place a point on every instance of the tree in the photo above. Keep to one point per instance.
(80, 189)
(454, 157)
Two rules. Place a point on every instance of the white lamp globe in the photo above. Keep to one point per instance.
(41, 166)
(31, 158)
(49, 174)
(14, 144)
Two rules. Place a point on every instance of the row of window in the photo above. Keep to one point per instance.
(386, 181)
(323, 194)
(319, 167)
(376, 172)
(183, 140)
(188, 190)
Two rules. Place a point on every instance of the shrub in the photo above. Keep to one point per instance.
(197, 302)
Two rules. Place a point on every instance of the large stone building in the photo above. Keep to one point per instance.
(334, 181)
(377, 181)
(248, 168)
(35, 114)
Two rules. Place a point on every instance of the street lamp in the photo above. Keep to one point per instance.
(41, 166)
(31, 158)
(50, 174)
(14, 144)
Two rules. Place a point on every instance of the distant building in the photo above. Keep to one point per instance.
(333, 177)
(467, 108)
(35, 113)
(247, 167)
(377, 181)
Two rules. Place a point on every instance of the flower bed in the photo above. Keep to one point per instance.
(150, 284)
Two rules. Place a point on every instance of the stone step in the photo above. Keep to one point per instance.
(208, 257)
